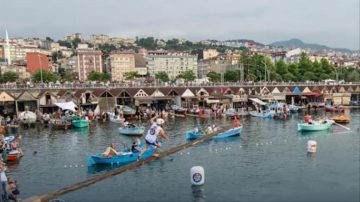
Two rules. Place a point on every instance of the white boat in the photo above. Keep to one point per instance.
(27, 117)
(115, 118)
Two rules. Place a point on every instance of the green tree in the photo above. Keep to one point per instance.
(56, 55)
(10, 77)
(95, 76)
(162, 76)
(105, 77)
(65, 43)
(131, 75)
(294, 70)
(309, 76)
(188, 75)
(75, 42)
(231, 76)
(45, 75)
(214, 76)
(305, 65)
(288, 77)
(148, 43)
(281, 67)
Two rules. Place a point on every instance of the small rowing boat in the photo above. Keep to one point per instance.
(340, 119)
(264, 115)
(132, 131)
(331, 108)
(314, 126)
(125, 157)
(192, 135)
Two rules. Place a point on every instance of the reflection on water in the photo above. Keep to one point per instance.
(81, 131)
(314, 133)
(198, 193)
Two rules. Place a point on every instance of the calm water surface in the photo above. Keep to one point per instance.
(268, 162)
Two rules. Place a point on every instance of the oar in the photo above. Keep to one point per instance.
(342, 126)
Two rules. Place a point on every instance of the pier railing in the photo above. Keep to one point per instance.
(161, 85)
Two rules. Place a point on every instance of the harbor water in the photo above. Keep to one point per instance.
(267, 162)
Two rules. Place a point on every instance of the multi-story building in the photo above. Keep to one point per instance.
(209, 53)
(203, 68)
(173, 63)
(88, 60)
(99, 39)
(120, 63)
(74, 36)
(37, 61)
(20, 70)
(140, 64)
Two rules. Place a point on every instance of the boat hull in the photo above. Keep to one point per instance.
(191, 135)
(64, 126)
(261, 115)
(137, 131)
(13, 156)
(333, 109)
(80, 123)
(121, 159)
(313, 127)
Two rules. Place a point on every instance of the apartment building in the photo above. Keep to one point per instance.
(173, 63)
(120, 63)
(88, 60)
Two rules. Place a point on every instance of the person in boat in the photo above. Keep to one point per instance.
(135, 146)
(16, 146)
(111, 151)
(155, 132)
(236, 122)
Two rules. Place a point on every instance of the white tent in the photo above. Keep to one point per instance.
(256, 100)
(66, 105)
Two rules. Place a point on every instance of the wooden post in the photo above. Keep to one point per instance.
(85, 183)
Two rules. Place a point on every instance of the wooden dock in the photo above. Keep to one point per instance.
(93, 180)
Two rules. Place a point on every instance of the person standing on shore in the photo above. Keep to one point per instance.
(4, 182)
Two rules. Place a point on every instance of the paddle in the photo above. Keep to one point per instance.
(332, 121)
(342, 126)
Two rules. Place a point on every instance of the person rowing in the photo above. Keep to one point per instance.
(154, 133)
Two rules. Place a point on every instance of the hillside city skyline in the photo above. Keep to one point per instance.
(334, 24)
(279, 43)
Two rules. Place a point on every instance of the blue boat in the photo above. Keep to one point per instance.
(192, 135)
(135, 131)
(128, 110)
(126, 157)
(268, 115)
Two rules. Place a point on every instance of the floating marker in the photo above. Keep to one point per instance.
(311, 146)
(197, 175)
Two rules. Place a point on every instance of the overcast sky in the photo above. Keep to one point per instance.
(334, 23)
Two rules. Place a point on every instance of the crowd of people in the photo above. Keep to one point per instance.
(9, 188)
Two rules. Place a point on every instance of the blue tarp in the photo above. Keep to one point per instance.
(297, 90)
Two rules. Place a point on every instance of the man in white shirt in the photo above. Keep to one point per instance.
(155, 131)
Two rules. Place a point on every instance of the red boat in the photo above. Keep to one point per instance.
(330, 108)
(14, 155)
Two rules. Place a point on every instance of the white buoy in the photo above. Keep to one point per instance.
(197, 175)
(311, 146)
